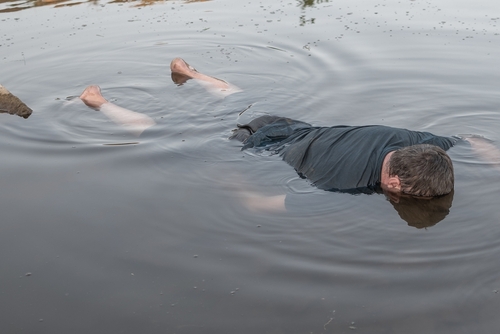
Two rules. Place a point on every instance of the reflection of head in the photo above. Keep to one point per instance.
(422, 212)
(423, 170)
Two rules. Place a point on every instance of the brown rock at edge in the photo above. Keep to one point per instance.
(12, 104)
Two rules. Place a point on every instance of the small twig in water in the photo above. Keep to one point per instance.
(324, 326)
(241, 112)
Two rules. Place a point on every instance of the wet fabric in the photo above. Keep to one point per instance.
(338, 158)
(272, 129)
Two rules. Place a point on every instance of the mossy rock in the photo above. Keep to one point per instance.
(13, 105)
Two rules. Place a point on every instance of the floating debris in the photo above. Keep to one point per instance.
(241, 112)
(122, 144)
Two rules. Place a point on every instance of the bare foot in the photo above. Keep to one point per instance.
(92, 97)
(179, 66)
(182, 72)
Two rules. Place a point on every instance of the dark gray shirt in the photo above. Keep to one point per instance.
(342, 158)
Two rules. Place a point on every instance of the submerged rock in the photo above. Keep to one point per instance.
(13, 105)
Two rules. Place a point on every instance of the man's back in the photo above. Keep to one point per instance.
(345, 158)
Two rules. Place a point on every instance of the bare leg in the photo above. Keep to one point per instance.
(133, 121)
(182, 71)
(136, 122)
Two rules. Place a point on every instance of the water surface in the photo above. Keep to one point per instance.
(152, 237)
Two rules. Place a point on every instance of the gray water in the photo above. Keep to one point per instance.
(153, 236)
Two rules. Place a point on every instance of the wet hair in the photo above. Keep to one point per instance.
(423, 170)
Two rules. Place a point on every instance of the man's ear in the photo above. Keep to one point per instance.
(394, 183)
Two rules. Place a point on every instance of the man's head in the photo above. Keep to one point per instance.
(423, 170)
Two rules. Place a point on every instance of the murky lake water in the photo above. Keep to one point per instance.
(152, 237)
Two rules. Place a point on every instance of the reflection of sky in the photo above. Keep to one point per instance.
(14, 6)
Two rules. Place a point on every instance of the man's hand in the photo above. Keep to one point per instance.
(484, 148)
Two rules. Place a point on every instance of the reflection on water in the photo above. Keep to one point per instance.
(422, 212)
(310, 3)
(7, 6)
(142, 3)
(303, 4)
(14, 6)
